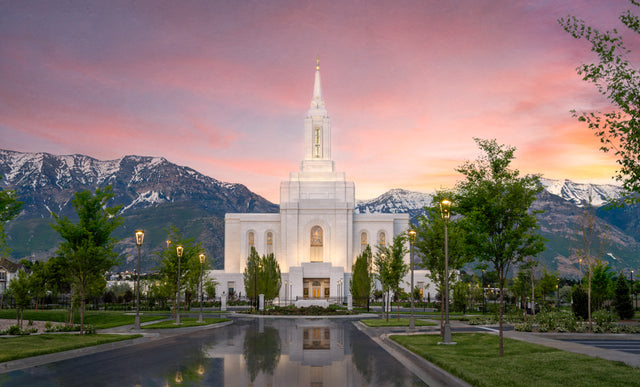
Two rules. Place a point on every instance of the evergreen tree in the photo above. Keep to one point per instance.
(580, 302)
(496, 203)
(270, 279)
(622, 302)
(250, 275)
(87, 245)
(361, 281)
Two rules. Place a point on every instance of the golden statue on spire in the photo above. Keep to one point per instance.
(317, 62)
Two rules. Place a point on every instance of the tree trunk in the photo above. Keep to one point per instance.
(82, 304)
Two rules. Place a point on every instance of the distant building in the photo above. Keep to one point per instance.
(317, 236)
(8, 270)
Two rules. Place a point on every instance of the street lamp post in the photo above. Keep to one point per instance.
(201, 294)
(385, 297)
(179, 251)
(445, 211)
(139, 238)
(412, 239)
(633, 293)
(483, 306)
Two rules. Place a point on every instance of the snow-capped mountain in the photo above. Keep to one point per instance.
(46, 183)
(395, 201)
(581, 193)
(412, 202)
(155, 194)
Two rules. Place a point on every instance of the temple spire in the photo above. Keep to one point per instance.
(317, 102)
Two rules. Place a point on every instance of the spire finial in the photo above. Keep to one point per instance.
(317, 62)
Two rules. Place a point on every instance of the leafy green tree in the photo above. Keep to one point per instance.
(189, 265)
(622, 300)
(389, 261)
(88, 245)
(460, 296)
(361, 281)
(9, 208)
(19, 288)
(210, 287)
(601, 284)
(547, 284)
(262, 276)
(429, 244)
(521, 287)
(618, 80)
(496, 203)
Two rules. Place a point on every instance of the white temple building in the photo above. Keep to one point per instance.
(317, 236)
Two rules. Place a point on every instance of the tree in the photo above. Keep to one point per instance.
(210, 288)
(189, 265)
(19, 288)
(495, 201)
(262, 276)
(429, 244)
(601, 284)
(592, 244)
(580, 302)
(619, 81)
(360, 285)
(389, 261)
(548, 283)
(269, 278)
(622, 301)
(460, 296)
(9, 209)
(250, 275)
(87, 245)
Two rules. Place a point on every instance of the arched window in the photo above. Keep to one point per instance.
(251, 240)
(316, 244)
(363, 241)
(382, 238)
(269, 243)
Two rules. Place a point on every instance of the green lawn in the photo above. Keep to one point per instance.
(475, 359)
(100, 320)
(393, 322)
(184, 323)
(26, 346)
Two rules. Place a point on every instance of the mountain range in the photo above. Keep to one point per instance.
(156, 194)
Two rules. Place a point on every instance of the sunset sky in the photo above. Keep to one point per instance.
(224, 86)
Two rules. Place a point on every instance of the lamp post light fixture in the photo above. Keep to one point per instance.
(139, 238)
(201, 256)
(179, 252)
(445, 211)
(412, 239)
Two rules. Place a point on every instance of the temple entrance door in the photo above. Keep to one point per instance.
(317, 288)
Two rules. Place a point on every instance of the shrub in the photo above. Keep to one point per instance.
(604, 319)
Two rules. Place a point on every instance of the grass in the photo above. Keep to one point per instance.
(100, 320)
(185, 322)
(393, 322)
(475, 359)
(14, 348)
